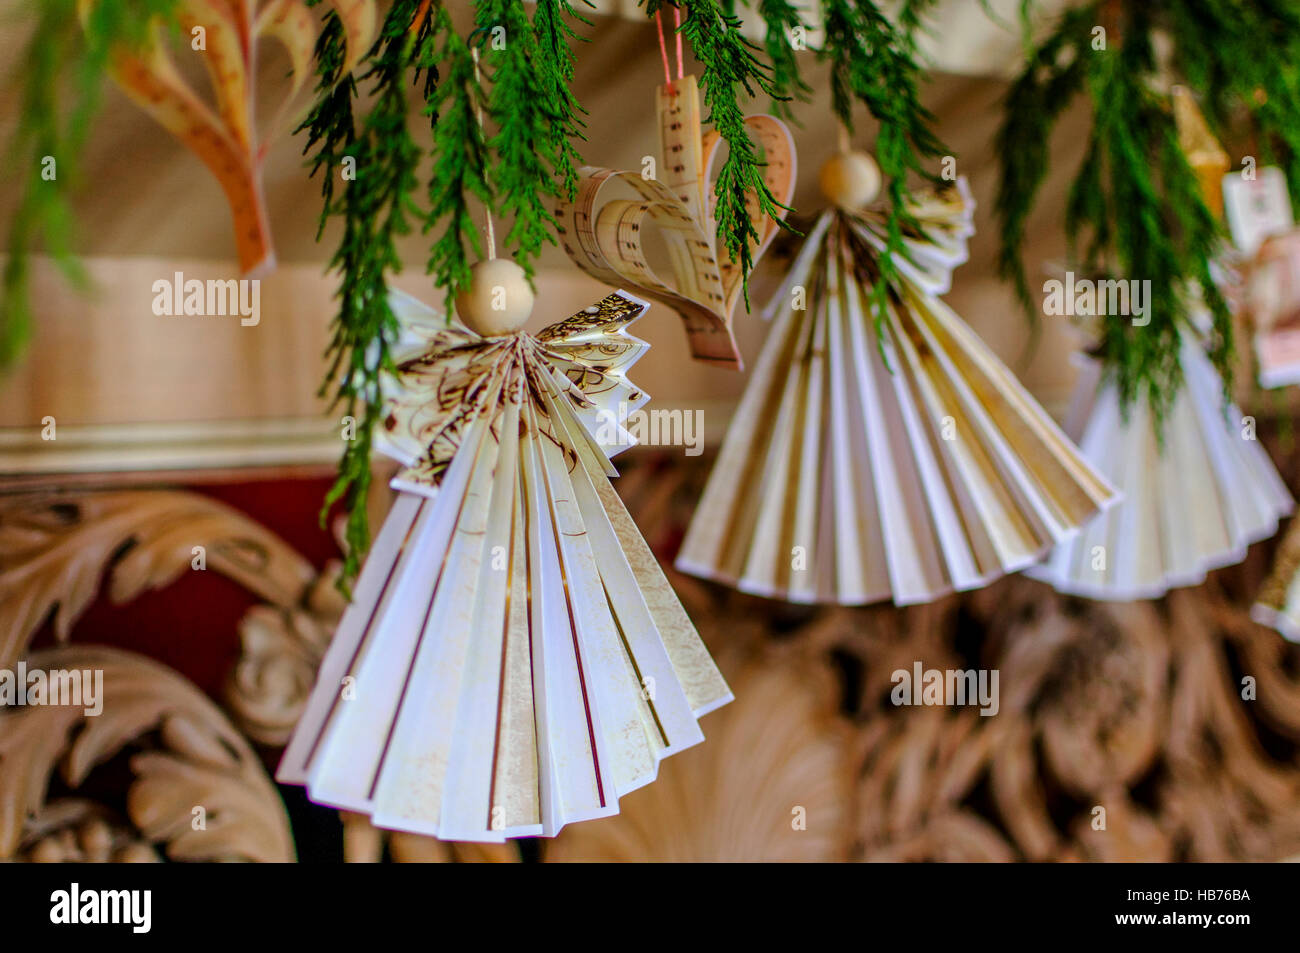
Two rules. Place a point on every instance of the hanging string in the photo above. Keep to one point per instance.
(843, 141)
(478, 115)
(663, 50)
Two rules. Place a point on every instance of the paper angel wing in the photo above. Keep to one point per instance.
(514, 659)
(902, 466)
(935, 246)
(445, 377)
(594, 351)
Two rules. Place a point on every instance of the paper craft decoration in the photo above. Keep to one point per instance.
(1189, 507)
(1278, 603)
(514, 659)
(605, 235)
(1257, 208)
(1271, 292)
(225, 138)
(1204, 153)
(860, 468)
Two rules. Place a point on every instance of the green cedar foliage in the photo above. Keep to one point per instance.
(874, 61)
(521, 178)
(1135, 209)
(461, 167)
(730, 66)
(375, 209)
(780, 18)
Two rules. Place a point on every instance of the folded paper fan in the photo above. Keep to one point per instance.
(901, 465)
(1191, 505)
(514, 659)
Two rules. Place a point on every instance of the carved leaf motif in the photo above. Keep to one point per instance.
(75, 830)
(281, 650)
(202, 762)
(55, 549)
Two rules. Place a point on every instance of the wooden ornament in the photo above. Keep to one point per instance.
(514, 659)
(850, 180)
(222, 135)
(604, 235)
(498, 300)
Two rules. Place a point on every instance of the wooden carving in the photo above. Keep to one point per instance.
(199, 791)
(1129, 713)
(281, 648)
(55, 548)
(1163, 730)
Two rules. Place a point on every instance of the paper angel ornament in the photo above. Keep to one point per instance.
(861, 467)
(514, 659)
(606, 236)
(223, 135)
(1190, 506)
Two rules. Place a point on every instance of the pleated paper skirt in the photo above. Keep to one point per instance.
(514, 659)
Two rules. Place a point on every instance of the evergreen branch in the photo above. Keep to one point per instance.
(555, 69)
(780, 19)
(875, 61)
(375, 209)
(522, 178)
(728, 62)
(63, 69)
(1135, 210)
(461, 168)
(1052, 77)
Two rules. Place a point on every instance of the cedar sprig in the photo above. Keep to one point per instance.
(522, 178)
(1053, 75)
(62, 74)
(730, 65)
(1135, 210)
(461, 167)
(874, 60)
(780, 18)
(376, 208)
(329, 124)
(555, 71)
